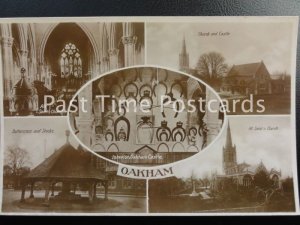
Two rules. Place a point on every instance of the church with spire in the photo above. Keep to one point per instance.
(229, 154)
(241, 173)
(184, 64)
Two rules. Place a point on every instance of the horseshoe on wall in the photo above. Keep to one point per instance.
(124, 76)
(136, 89)
(191, 146)
(152, 74)
(144, 86)
(170, 94)
(162, 83)
(180, 134)
(120, 89)
(109, 133)
(192, 129)
(165, 130)
(123, 106)
(158, 147)
(146, 96)
(178, 130)
(177, 83)
(98, 144)
(107, 118)
(122, 118)
(178, 143)
(167, 74)
(113, 144)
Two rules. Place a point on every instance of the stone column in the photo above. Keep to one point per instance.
(24, 62)
(129, 41)
(113, 52)
(212, 115)
(85, 119)
(113, 58)
(7, 64)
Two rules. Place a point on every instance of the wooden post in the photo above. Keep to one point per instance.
(52, 189)
(31, 190)
(47, 190)
(74, 188)
(105, 190)
(23, 193)
(95, 190)
(91, 192)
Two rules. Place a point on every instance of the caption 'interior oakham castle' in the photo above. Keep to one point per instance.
(242, 173)
(58, 58)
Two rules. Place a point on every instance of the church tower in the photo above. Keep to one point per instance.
(184, 58)
(229, 154)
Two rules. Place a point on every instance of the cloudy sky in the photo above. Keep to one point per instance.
(247, 43)
(272, 147)
(35, 143)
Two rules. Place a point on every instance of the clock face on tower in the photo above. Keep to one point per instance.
(146, 116)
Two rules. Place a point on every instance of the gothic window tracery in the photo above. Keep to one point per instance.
(70, 61)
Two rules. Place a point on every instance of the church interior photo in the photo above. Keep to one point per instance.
(56, 59)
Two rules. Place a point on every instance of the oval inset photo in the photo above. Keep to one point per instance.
(146, 116)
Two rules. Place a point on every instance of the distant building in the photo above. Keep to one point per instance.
(243, 79)
(281, 84)
(242, 173)
(251, 78)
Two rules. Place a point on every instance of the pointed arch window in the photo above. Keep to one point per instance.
(70, 61)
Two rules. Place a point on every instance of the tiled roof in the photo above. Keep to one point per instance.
(67, 162)
(244, 69)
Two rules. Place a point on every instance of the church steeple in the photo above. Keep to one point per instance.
(183, 50)
(229, 154)
(228, 143)
(184, 58)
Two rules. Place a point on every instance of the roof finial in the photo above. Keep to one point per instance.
(67, 135)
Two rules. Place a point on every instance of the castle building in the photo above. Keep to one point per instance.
(58, 58)
(242, 173)
(251, 78)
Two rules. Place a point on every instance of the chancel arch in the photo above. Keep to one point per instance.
(81, 26)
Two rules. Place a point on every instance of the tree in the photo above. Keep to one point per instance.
(16, 159)
(262, 180)
(211, 67)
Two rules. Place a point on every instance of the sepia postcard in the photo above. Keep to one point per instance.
(148, 116)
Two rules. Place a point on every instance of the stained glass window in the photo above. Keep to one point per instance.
(70, 61)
